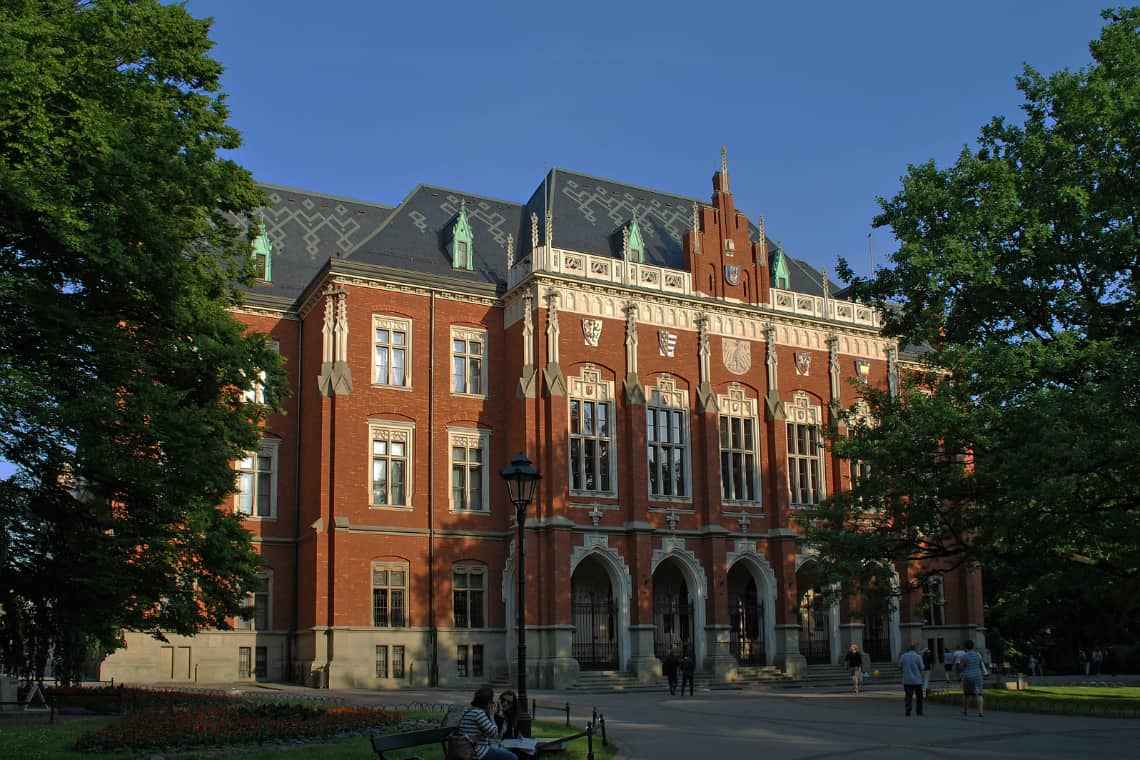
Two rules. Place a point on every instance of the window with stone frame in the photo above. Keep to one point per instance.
(739, 460)
(391, 351)
(260, 391)
(256, 495)
(258, 605)
(469, 596)
(667, 437)
(389, 595)
(468, 365)
(592, 434)
(469, 474)
(261, 662)
(805, 451)
(391, 454)
(244, 665)
(381, 660)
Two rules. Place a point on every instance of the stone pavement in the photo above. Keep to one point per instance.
(810, 725)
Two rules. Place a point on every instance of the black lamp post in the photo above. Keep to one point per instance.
(521, 480)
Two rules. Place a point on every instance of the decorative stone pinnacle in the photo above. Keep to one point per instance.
(672, 519)
(595, 516)
(744, 519)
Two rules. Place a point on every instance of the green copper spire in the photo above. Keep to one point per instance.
(462, 242)
(262, 252)
(636, 243)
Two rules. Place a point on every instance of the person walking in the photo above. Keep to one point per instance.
(972, 670)
(670, 666)
(687, 668)
(927, 666)
(912, 669)
(948, 662)
(854, 661)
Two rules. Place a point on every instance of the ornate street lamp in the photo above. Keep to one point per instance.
(521, 480)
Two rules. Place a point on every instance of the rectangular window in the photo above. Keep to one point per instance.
(805, 476)
(461, 661)
(591, 441)
(469, 586)
(257, 608)
(398, 661)
(391, 464)
(668, 446)
(381, 661)
(391, 351)
(261, 662)
(468, 475)
(260, 392)
(467, 366)
(257, 482)
(389, 591)
(243, 662)
(737, 458)
(477, 660)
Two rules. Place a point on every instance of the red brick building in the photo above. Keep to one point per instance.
(665, 366)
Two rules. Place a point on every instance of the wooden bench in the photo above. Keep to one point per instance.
(382, 743)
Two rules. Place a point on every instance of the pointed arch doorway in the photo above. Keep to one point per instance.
(594, 612)
(673, 622)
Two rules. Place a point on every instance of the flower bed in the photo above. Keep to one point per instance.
(184, 720)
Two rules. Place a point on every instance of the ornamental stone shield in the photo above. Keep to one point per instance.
(592, 331)
(737, 355)
(803, 362)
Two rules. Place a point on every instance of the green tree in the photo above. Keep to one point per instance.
(121, 242)
(1016, 447)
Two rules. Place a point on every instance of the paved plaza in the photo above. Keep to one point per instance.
(808, 724)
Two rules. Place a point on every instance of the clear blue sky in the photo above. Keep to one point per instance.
(821, 105)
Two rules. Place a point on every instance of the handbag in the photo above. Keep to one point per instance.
(459, 747)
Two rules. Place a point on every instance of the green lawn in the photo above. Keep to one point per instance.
(32, 741)
(1103, 701)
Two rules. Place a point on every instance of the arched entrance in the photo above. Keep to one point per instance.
(876, 626)
(673, 623)
(747, 619)
(595, 644)
(814, 617)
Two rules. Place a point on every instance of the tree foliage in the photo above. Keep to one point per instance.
(122, 368)
(1016, 446)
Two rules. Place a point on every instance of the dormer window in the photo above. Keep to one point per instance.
(635, 245)
(262, 252)
(779, 271)
(462, 241)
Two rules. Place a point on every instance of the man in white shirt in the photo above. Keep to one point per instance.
(911, 666)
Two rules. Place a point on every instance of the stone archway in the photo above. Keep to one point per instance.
(596, 555)
(748, 568)
(680, 592)
(818, 617)
(593, 612)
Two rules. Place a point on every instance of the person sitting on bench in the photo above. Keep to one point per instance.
(478, 726)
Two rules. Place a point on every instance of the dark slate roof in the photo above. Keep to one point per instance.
(416, 235)
(307, 229)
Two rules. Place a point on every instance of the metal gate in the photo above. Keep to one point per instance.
(815, 629)
(595, 645)
(876, 638)
(672, 625)
(748, 628)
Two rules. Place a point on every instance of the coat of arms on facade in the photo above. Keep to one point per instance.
(732, 273)
(863, 370)
(667, 342)
(592, 331)
(737, 355)
(803, 362)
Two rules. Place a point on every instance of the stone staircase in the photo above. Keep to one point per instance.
(609, 681)
(838, 677)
